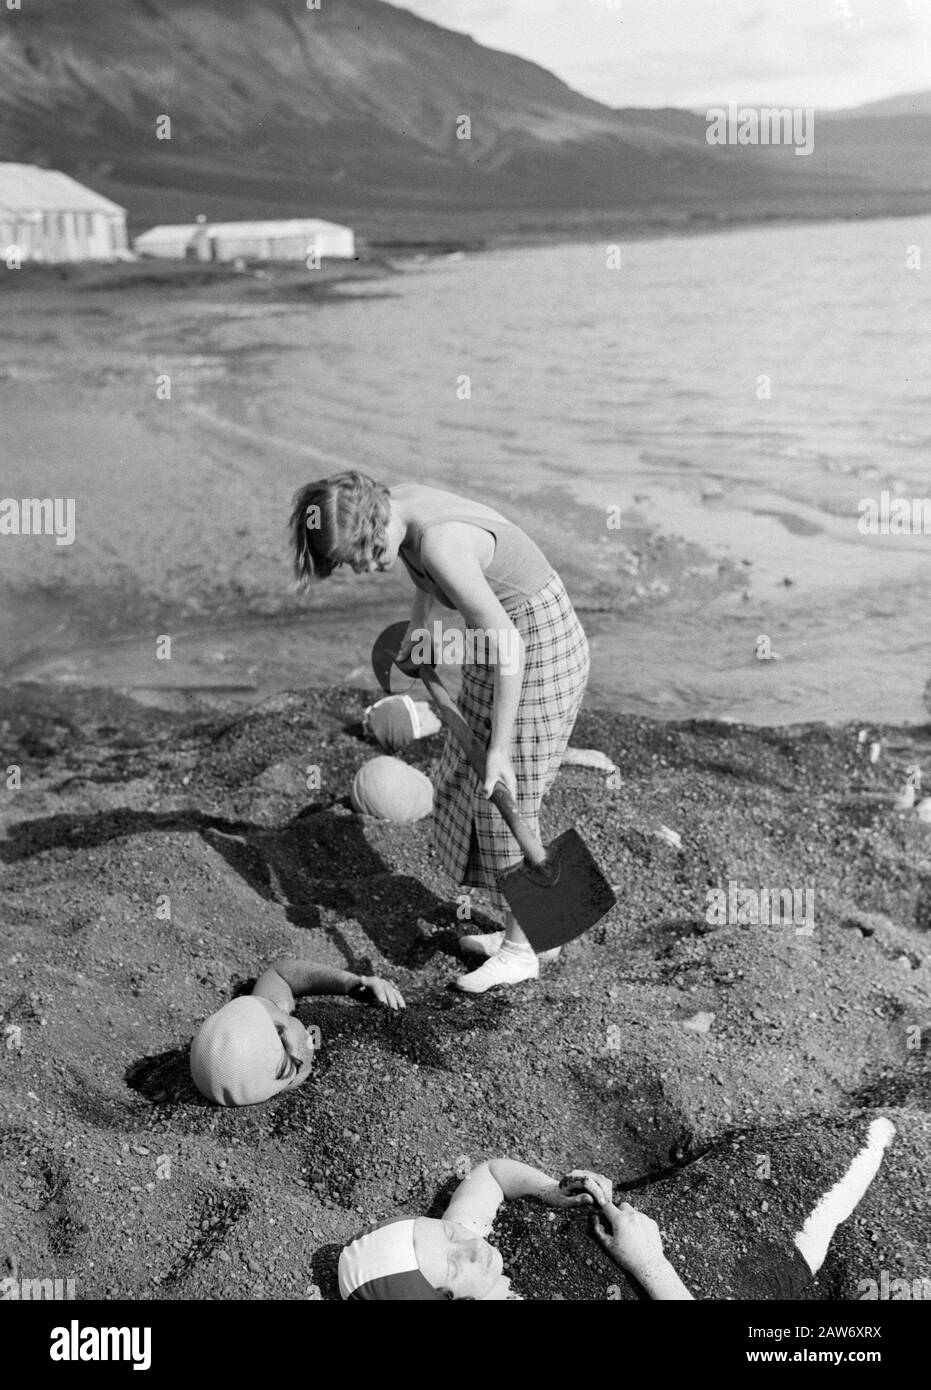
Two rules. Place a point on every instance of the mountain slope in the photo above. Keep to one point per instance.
(351, 110)
(907, 104)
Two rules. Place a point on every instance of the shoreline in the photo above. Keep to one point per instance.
(213, 670)
(376, 251)
(685, 224)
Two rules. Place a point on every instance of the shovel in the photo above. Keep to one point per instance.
(558, 892)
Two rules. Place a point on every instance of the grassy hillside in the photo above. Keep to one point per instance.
(353, 110)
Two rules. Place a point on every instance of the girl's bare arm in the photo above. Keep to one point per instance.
(447, 553)
(477, 1198)
(289, 978)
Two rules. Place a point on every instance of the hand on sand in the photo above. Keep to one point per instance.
(499, 768)
(580, 1188)
(630, 1237)
(383, 992)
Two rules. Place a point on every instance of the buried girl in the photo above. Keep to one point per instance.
(420, 1258)
(253, 1047)
(521, 701)
(823, 1174)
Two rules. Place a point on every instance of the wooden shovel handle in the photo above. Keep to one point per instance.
(533, 850)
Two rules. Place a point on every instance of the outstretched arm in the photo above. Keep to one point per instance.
(476, 1200)
(290, 978)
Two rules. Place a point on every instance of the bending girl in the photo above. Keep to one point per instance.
(521, 703)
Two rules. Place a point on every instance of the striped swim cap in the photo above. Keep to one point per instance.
(237, 1054)
(381, 1264)
(393, 722)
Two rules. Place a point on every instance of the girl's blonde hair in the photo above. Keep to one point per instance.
(338, 520)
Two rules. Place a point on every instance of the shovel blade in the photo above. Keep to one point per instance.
(563, 898)
(390, 677)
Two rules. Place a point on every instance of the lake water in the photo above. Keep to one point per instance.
(732, 398)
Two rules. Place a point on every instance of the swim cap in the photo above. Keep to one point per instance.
(390, 789)
(392, 721)
(397, 720)
(236, 1054)
(381, 1264)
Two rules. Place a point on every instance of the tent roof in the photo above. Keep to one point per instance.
(297, 226)
(27, 188)
(168, 233)
(305, 226)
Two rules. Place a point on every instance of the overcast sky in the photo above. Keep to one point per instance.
(825, 53)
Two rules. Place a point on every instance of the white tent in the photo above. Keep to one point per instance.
(47, 216)
(169, 241)
(294, 240)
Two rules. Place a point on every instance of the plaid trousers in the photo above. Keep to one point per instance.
(471, 838)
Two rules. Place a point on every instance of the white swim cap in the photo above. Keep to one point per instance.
(237, 1054)
(390, 789)
(397, 720)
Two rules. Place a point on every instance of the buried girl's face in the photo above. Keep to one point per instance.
(452, 1257)
(297, 1045)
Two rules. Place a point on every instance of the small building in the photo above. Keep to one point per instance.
(48, 216)
(293, 240)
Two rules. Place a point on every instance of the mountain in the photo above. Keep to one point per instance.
(908, 104)
(351, 111)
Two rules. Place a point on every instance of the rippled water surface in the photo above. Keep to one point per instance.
(730, 399)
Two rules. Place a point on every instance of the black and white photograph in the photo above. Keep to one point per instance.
(465, 678)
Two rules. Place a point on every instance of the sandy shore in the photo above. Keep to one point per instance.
(115, 1172)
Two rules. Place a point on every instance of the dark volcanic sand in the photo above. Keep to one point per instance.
(591, 1066)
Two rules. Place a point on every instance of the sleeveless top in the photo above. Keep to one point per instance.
(517, 570)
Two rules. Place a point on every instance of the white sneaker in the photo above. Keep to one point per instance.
(489, 944)
(505, 967)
